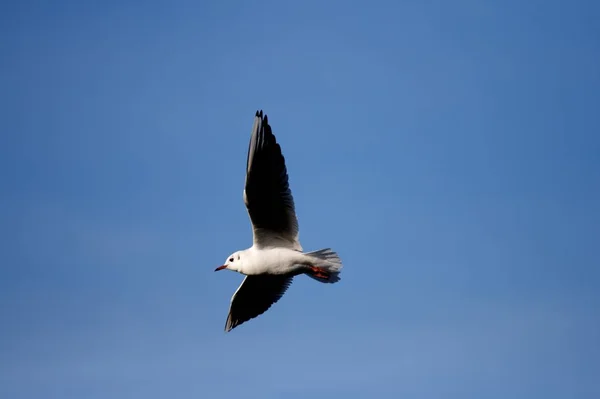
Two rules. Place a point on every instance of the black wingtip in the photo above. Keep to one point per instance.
(259, 114)
(229, 326)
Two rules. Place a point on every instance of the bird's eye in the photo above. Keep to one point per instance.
(231, 259)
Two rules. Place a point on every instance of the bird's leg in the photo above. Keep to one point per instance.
(319, 272)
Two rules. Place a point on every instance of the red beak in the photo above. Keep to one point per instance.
(220, 268)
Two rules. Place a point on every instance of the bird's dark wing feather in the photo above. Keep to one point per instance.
(255, 296)
(267, 194)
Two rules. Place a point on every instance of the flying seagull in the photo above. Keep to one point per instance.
(276, 255)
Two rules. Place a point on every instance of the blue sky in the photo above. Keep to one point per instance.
(449, 151)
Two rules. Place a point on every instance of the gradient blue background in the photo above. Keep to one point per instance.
(448, 150)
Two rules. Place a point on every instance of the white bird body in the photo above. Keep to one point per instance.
(277, 260)
(276, 255)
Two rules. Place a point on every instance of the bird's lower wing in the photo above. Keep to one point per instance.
(255, 296)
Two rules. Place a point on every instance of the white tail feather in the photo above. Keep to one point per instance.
(329, 261)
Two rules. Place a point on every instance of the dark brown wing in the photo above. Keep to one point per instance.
(267, 194)
(255, 296)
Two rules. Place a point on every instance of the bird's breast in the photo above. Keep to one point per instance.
(274, 261)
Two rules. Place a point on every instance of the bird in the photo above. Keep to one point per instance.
(276, 255)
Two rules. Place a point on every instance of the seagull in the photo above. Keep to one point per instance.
(276, 255)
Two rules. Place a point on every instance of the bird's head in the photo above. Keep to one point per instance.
(233, 262)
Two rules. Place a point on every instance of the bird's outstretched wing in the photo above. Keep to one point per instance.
(255, 296)
(267, 194)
